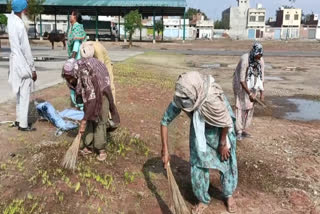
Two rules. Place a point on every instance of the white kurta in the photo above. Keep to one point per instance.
(21, 67)
(21, 59)
(240, 75)
(244, 107)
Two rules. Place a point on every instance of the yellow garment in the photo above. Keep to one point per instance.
(101, 53)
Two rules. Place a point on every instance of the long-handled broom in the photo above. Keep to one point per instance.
(176, 197)
(70, 158)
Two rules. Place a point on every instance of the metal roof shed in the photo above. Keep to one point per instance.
(113, 7)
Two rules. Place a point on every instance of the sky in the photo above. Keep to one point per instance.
(214, 8)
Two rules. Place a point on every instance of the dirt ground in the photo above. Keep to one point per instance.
(278, 167)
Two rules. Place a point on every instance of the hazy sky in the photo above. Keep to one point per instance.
(214, 8)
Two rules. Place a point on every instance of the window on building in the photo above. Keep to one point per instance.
(288, 17)
(261, 18)
(252, 18)
(296, 17)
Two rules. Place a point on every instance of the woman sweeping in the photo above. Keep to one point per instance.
(248, 80)
(212, 135)
(90, 80)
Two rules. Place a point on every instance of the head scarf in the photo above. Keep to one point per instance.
(68, 67)
(198, 92)
(87, 50)
(19, 5)
(256, 50)
(254, 69)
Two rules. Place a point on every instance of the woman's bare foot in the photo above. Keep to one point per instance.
(231, 205)
(199, 208)
(102, 155)
(85, 151)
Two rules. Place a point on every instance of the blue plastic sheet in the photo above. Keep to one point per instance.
(47, 111)
(72, 114)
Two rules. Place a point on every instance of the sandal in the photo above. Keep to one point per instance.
(199, 208)
(85, 152)
(231, 205)
(102, 156)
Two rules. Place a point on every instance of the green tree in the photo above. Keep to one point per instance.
(35, 8)
(159, 27)
(3, 19)
(132, 21)
(193, 11)
(223, 24)
(9, 8)
(3, 23)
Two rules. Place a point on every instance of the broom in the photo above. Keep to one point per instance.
(70, 158)
(260, 103)
(176, 197)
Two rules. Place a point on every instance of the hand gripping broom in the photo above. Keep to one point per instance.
(176, 197)
(70, 158)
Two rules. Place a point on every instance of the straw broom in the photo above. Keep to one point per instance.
(260, 103)
(70, 158)
(176, 197)
(266, 109)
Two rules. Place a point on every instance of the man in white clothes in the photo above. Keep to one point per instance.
(22, 71)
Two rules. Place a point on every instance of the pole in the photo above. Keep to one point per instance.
(119, 24)
(35, 27)
(97, 31)
(140, 34)
(41, 38)
(125, 30)
(163, 27)
(68, 22)
(55, 21)
(184, 26)
(154, 27)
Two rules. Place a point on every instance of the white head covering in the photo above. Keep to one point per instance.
(87, 50)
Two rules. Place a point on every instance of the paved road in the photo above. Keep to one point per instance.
(239, 53)
(48, 71)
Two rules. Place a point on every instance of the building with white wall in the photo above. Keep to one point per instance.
(256, 22)
(237, 17)
(203, 29)
(289, 20)
(173, 28)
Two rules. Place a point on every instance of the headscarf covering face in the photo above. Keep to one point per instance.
(198, 92)
(19, 5)
(255, 64)
(68, 67)
(87, 50)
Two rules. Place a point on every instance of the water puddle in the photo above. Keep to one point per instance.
(226, 65)
(37, 59)
(211, 66)
(306, 110)
(217, 65)
(273, 78)
(268, 66)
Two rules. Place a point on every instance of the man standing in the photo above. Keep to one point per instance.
(22, 71)
(247, 82)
